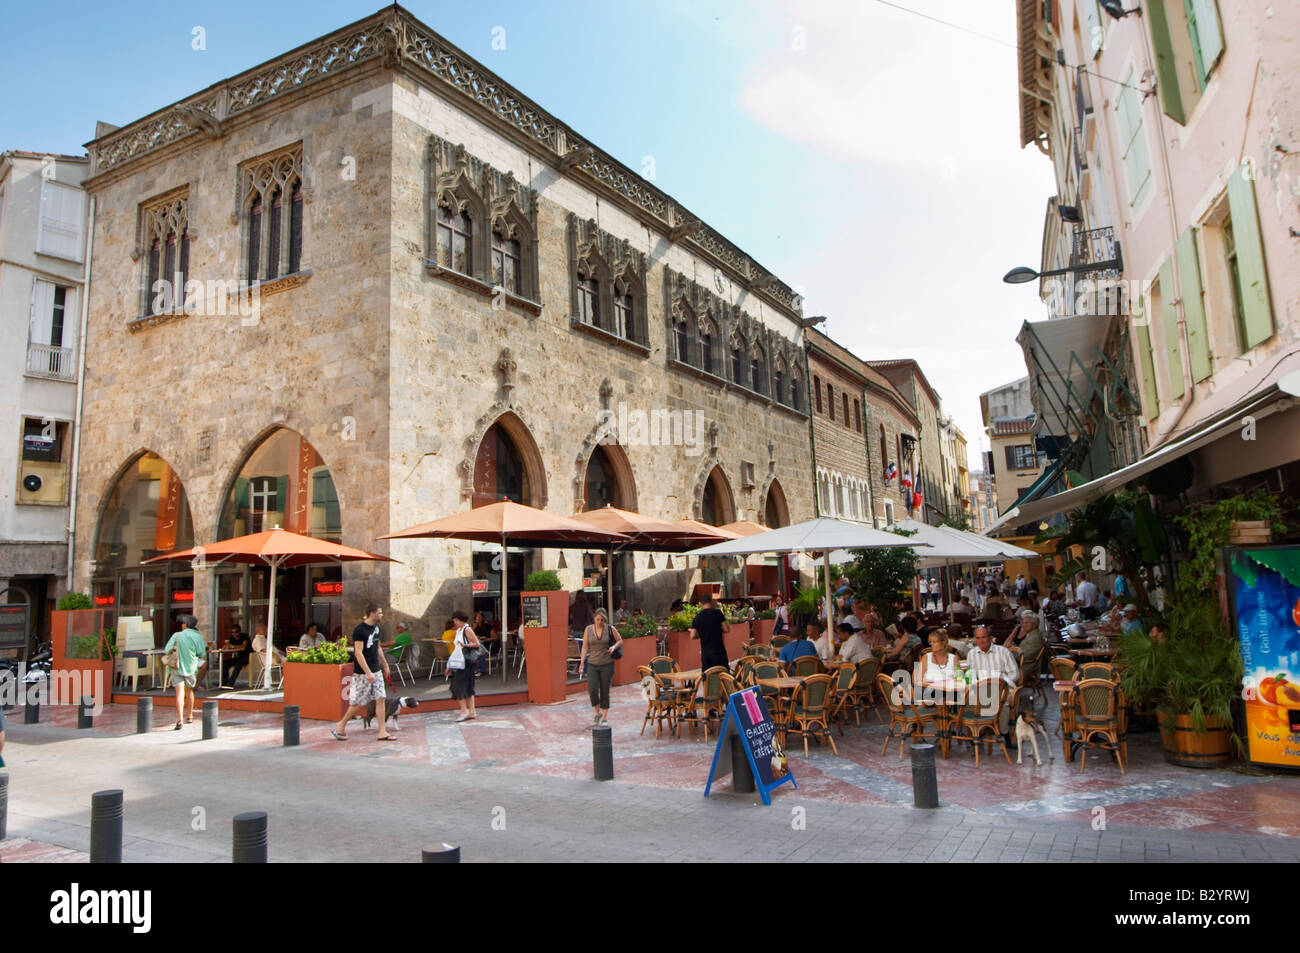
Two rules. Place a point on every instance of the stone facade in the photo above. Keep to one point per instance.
(927, 463)
(839, 421)
(395, 366)
(890, 417)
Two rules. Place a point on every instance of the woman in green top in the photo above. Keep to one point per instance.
(191, 653)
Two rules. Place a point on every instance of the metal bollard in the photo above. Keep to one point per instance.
(31, 712)
(443, 854)
(4, 804)
(742, 776)
(602, 752)
(106, 827)
(209, 720)
(143, 715)
(86, 712)
(925, 785)
(292, 721)
(250, 839)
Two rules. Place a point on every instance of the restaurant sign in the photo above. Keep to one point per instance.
(535, 610)
(1264, 585)
(747, 716)
(13, 626)
(478, 585)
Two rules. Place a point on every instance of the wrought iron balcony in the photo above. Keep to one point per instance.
(1093, 246)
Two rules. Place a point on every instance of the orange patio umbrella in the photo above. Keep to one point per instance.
(277, 548)
(744, 528)
(507, 520)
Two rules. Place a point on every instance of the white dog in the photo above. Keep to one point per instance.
(1027, 729)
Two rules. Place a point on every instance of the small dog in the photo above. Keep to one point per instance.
(393, 706)
(1028, 727)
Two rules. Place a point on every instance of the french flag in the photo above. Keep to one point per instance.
(891, 471)
(907, 479)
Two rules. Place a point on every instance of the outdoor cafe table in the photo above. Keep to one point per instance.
(941, 696)
(1094, 653)
(785, 686)
(220, 654)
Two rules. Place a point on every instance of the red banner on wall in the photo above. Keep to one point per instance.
(297, 516)
(169, 506)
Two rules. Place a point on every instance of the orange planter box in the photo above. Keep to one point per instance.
(547, 650)
(763, 629)
(319, 691)
(635, 652)
(684, 650)
(735, 640)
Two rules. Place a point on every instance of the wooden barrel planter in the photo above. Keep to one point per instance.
(1189, 749)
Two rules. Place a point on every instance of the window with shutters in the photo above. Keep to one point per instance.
(1237, 296)
(1132, 138)
(1021, 457)
(1172, 346)
(165, 237)
(51, 331)
(271, 195)
(1187, 37)
(60, 232)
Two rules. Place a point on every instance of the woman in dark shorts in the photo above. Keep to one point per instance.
(462, 674)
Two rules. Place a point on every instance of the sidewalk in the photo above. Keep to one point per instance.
(529, 767)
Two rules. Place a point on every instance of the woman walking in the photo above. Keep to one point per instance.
(598, 640)
(462, 671)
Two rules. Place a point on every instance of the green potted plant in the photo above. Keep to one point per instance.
(543, 580)
(318, 680)
(639, 647)
(680, 644)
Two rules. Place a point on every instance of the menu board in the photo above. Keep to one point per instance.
(13, 626)
(747, 716)
(1264, 584)
(535, 610)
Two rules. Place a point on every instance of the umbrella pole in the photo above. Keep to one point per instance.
(830, 627)
(270, 629)
(609, 583)
(505, 603)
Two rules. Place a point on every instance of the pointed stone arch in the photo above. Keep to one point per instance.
(297, 490)
(773, 505)
(515, 424)
(713, 492)
(603, 440)
(173, 523)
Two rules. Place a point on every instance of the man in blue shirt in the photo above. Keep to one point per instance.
(1131, 621)
(802, 644)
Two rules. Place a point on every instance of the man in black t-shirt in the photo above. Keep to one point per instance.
(709, 626)
(367, 681)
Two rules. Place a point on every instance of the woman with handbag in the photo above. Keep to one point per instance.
(601, 645)
(463, 664)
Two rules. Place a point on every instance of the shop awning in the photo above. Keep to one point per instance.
(1275, 394)
(1061, 355)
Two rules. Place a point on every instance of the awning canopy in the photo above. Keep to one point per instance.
(1280, 385)
(1060, 355)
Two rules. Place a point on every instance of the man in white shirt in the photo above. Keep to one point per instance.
(855, 617)
(1087, 594)
(259, 644)
(827, 645)
(962, 607)
(622, 615)
(988, 660)
(854, 649)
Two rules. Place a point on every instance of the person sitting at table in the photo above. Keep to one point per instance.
(312, 638)
(871, 633)
(995, 606)
(622, 614)
(962, 607)
(800, 645)
(828, 644)
(1031, 642)
(259, 644)
(1131, 622)
(957, 640)
(449, 636)
(896, 649)
(854, 649)
(236, 662)
(939, 664)
(989, 660)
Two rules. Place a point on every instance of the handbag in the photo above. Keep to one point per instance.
(172, 659)
(473, 654)
(615, 650)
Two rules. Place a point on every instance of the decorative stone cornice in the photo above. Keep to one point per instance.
(394, 39)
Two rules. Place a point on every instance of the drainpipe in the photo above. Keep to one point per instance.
(81, 391)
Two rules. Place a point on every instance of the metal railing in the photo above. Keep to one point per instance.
(46, 360)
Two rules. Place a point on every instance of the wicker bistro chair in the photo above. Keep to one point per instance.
(661, 701)
(663, 664)
(711, 701)
(810, 709)
(1089, 670)
(864, 692)
(761, 649)
(779, 642)
(1097, 716)
(1031, 676)
(842, 701)
(805, 665)
(905, 718)
(976, 723)
(744, 669)
(1062, 668)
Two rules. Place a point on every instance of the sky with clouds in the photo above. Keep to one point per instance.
(868, 156)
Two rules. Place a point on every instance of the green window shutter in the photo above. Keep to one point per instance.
(1198, 338)
(1137, 165)
(1171, 97)
(1148, 369)
(1169, 328)
(241, 494)
(281, 500)
(1096, 32)
(1257, 318)
(1207, 36)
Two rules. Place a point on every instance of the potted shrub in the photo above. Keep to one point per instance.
(639, 647)
(79, 643)
(680, 644)
(543, 580)
(764, 623)
(318, 680)
(738, 634)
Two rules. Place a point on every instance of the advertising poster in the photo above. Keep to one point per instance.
(1264, 584)
(747, 715)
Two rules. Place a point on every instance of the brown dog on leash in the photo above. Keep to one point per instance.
(393, 706)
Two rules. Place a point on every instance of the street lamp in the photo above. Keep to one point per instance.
(1018, 276)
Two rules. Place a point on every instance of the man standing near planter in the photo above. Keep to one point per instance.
(709, 626)
(367, 682)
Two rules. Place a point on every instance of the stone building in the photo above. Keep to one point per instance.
(924, 465)
(1015, 462)
(892, 429)
(839, 430)
(369, 284)
(42, 275)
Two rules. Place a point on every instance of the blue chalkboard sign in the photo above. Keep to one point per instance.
(747, 716)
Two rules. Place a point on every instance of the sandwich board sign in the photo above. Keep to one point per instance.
(746, 715)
